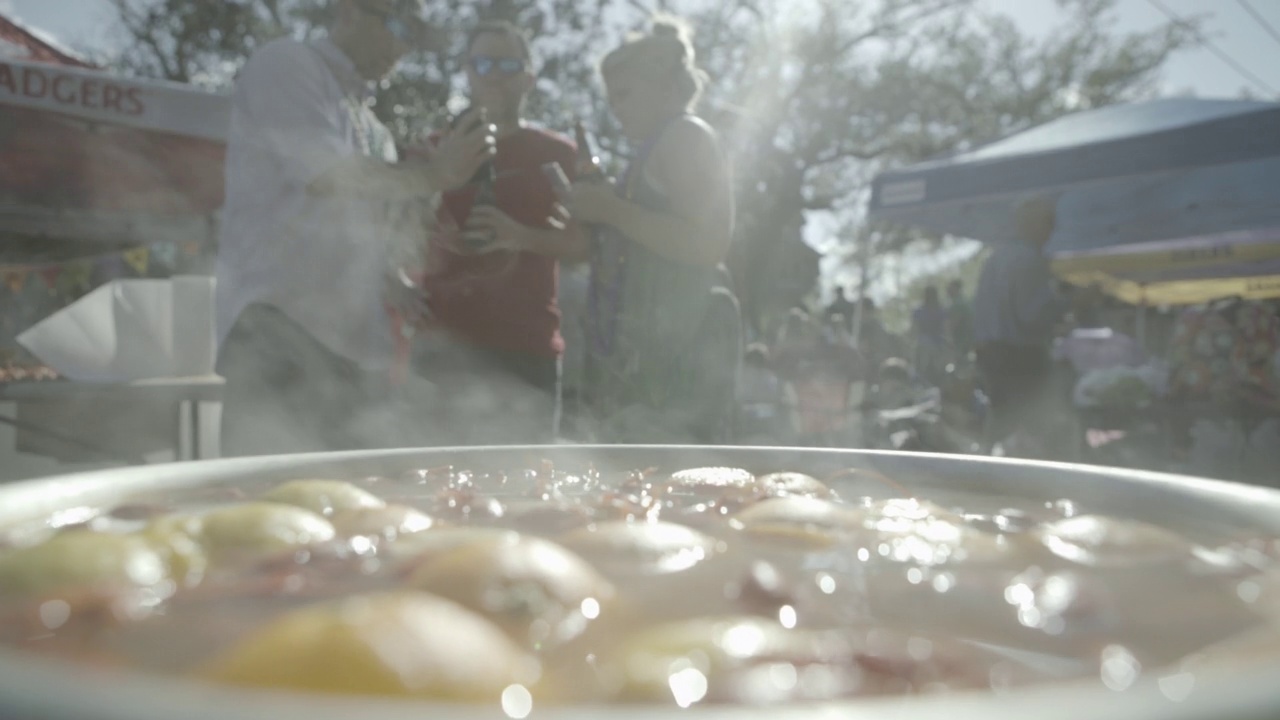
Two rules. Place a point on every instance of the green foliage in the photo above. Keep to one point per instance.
(813, 96)
(197, 42)
(207, 42)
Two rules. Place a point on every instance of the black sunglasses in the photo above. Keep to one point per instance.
(485, 65)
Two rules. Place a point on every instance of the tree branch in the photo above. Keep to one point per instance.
(846, 153)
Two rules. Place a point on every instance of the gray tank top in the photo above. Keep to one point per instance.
(646, 321)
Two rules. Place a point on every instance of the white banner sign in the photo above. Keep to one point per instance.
(102, 97)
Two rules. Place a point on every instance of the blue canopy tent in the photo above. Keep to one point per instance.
(1183, 171)
(1121, 175)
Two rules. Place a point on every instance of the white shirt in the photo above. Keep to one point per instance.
(299, 108)
(1090, 349)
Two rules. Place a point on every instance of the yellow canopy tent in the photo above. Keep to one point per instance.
(1186, 271)
(1185, 292)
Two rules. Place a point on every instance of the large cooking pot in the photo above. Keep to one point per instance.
(31, 688)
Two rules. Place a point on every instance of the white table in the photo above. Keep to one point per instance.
(69, 408)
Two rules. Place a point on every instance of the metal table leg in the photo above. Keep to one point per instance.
(179, 436)
(197, 449)
(187, 433)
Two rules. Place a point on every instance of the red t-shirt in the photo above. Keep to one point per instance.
(501, 300)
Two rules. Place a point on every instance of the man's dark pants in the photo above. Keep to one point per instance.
(286, 392)
(1017, 381)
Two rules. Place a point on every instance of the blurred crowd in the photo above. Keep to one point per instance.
(839, 378)
(1028, 366)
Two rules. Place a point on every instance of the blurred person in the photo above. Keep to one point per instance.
(718, 362)
(1016, 307)
(896, 386)
(821, 391)
(818, 377)
(874, 341)
(1253, 359)
(795, 326)
(906, 414)
(307, 238)
(843, 307)
(839, 343)
(760, 399)
(1200, 356)
(837, 330)
(959, 322)
(723, 338)
(494, 344)
(660, 324)
(962, 408)
(929, 329)
(799, 340)
(1093, 344)
(574, 282)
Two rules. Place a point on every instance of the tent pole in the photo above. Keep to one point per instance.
(1142, 320)
(857, 321)
(865, 254)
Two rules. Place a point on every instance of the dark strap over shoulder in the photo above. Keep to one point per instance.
(636, 167)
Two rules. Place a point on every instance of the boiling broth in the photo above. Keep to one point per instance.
(709, 585)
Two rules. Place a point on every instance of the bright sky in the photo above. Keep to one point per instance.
(78, 23)
(1228, 26)
(87, 24)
